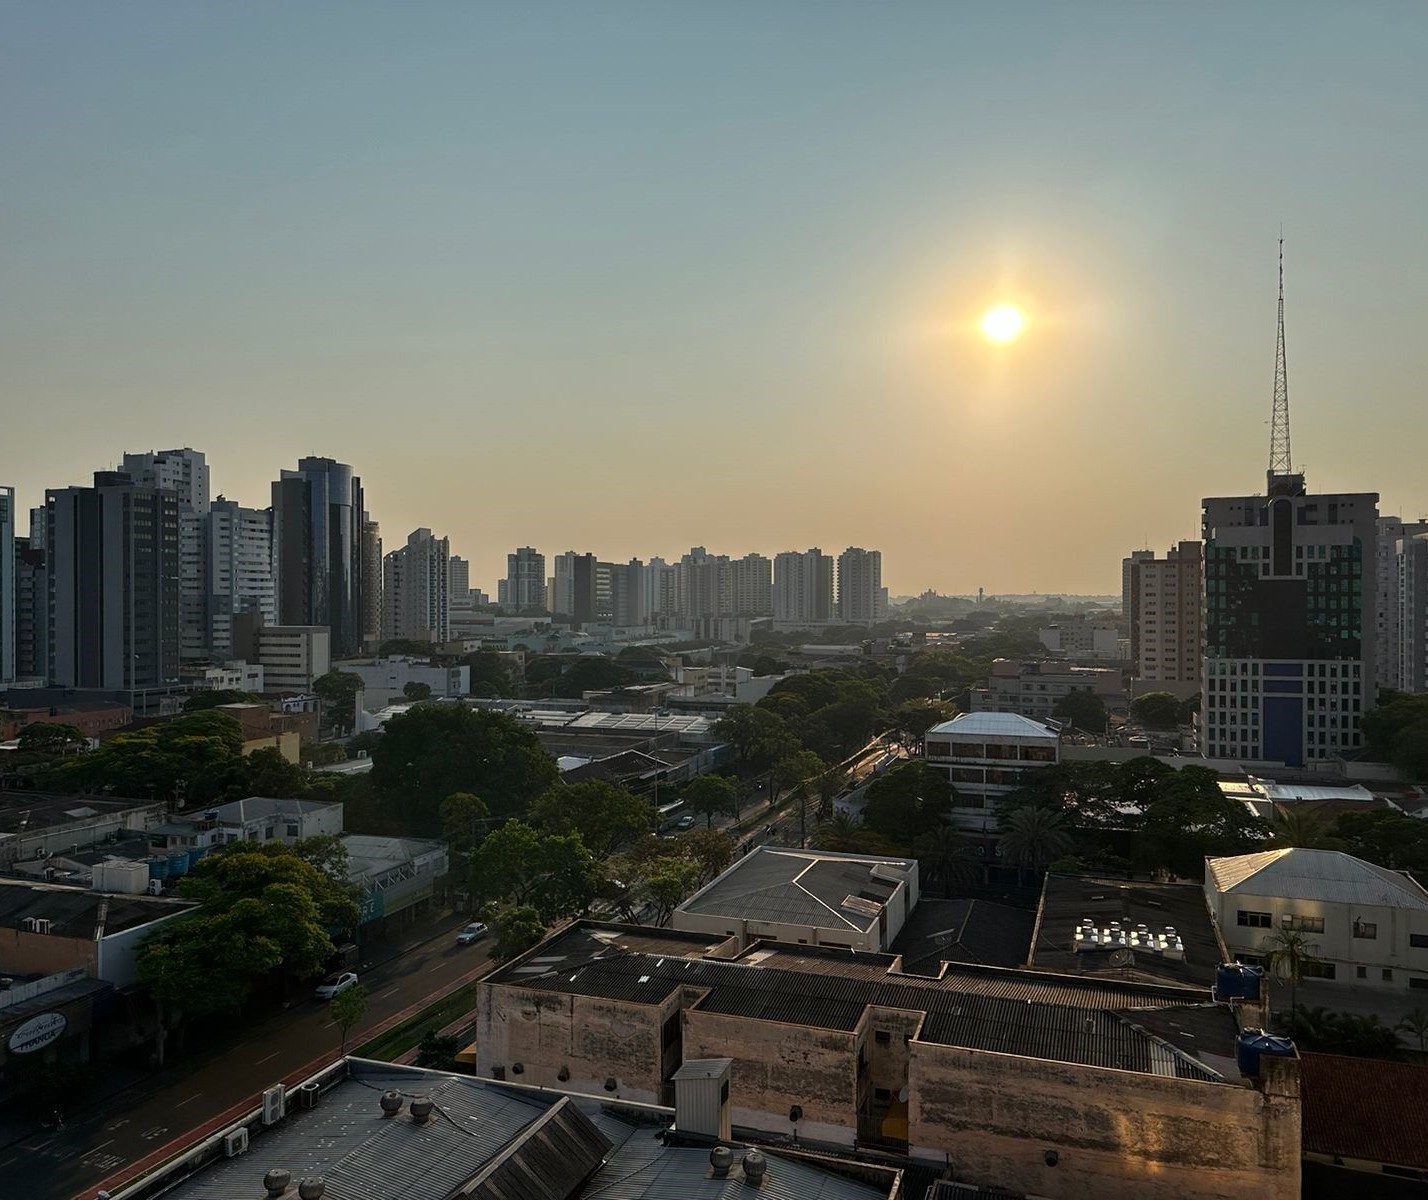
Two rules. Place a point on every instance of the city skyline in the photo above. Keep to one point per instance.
(744, 255)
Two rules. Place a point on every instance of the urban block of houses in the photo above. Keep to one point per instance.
(1053, 1085)
(1364, 924)
(805, 897)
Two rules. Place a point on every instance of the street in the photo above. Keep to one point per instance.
(100, 1143)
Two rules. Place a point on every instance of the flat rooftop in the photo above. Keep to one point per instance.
(74, 912)
(1125, 905)
(24, 812)
(818, 888)
(1062, 1018)
(963, 931)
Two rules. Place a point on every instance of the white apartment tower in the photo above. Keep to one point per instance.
(1167, 611)
(524, 587)
(238, 572)
(752, 586)
(414, 589)
(861, 599)
(9, 591)
(803, 587)
(1399, 616)
(1128, 587)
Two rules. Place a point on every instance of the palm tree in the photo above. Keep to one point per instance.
(1287, 953)
(839, 832)
(1034, 836)
(1415, 1023)
(947, 857)
(1290, 827)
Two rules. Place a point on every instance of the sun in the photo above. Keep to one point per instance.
(1003, 323)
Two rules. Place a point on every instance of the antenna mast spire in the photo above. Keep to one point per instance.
(1279, 459)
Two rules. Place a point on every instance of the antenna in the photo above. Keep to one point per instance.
(1279, 458)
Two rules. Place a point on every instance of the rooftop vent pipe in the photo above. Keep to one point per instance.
(421, 1109)
(721, 1159)
(391, 1103)
(755, 1168)
(312, 1188)
(276, 1181)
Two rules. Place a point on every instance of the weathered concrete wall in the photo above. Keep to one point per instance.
(1117, 1135)
(27, 953)
(593, 1040)
(778, 1066)
(888, 1060)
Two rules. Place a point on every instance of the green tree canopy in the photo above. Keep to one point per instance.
(410, 647)
(490, 674)
(1188, 818)
(416, 691)
(710, 796)
(432, 751)
(1156, 710)
(463, 821)
(591, 673)
(795, 770)
(1033, 837)
(1083, 709)
(603, 815)
(338, 692)
(757, 736)
(49, 736)
(517, 928)
(907, 802)
(914, 718)
(552, 873)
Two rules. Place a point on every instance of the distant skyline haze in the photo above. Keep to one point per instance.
(631, 276)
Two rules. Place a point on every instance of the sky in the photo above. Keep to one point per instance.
(632, 276)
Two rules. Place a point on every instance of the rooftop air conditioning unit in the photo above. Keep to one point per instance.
(27, 924)
(156, 887)
(42, 925)
(235, 1142)
(273, 1104)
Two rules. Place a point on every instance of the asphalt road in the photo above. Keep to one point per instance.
(99, 1143)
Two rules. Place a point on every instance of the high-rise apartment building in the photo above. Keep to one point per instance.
(752, 586)
(573, 588)
(803, 587)
(415, 582)
(1397, 610)
(1167, 609)
(9, 592)
(706, 585)
(185, 473)
(32, 598)
(113, 572)
(524, 588)
(861, 598)
(317, 546)
(661, 590)
(1128, 583)
(371, 583)
(629, 594)
(238, 572)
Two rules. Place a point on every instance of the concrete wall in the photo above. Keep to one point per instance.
(84, 833)
(27, 953)
(1117, 1135)
(114, 962)
(803, 935)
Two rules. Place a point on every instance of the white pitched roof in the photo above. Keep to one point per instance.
(1327, 875)
(995, 724)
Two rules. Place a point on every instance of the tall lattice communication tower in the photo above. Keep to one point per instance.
(1280, 464)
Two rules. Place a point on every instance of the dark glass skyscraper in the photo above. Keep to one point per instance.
(317, 550)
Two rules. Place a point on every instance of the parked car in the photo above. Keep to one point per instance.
(684, 823)
(471, 933)
(334, 985)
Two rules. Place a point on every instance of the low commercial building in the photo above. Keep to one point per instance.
(253, 819)
(1079, 639)
(1033, 689)
(35, 825)
(1364, 924)
(47, 1019)
(985, 756)
(385, 680)
(396, 876)
(807, 897)
(1051, 1085)
(42, 706)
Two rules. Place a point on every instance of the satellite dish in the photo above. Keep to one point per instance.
(1120, 958)
(902, 1095)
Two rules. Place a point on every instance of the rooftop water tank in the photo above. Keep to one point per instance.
(1253, 1044)
(1236, 981)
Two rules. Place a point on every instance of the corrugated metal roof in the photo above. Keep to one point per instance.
(1365, 1108)
(548, 1160)
(1330, 876)
(995, 724)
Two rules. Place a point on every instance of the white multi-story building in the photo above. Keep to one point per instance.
(1365, 925)
(292, 656)
(1401, 609)
(752, 585)
(706, 585)
(414, 589)
(1127, 584)
(1081, 638)
(861, 597)
(385, 680)
(985, 755)
(661, 586)
(238, 572)
(1033, 689)
(524, 589)
(1167, 613)
(803, 587)
(9, 591)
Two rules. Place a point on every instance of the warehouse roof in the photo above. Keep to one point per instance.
(995, 724)
(1330, 876)
(1366, 1109)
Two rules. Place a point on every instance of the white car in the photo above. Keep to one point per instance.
(684, 823)
(334, 985)
(468, 935)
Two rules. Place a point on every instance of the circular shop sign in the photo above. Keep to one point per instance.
(37, 1033)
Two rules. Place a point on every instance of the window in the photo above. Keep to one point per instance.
(1418, 983)
(1365, 929)
(1418, 940)
(882, 1037)
(1388, 974)
(1361, 972)
(1318, 970)
(1302, 924)
(1255, 920)
(292, 831)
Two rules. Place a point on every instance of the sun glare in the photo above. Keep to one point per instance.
(1003, 323)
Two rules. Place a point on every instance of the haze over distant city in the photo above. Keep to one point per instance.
(631, 276)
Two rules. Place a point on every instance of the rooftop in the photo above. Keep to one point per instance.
(493, 1141)
(369, 855)
(1365, 1108)
(1067, 900)
(260, 808)
(1330, 876)
(22, 812)
(963, 931)
(1095, 1022)
(74, 912)
(995, 724)
(803, 887)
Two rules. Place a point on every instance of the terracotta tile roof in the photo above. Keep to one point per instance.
(1365, 1108)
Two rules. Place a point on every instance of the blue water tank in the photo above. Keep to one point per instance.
(178, 862)
(1253, 1044)
(1236, 981)
(158, 868)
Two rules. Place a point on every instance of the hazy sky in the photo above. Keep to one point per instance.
(630, 276)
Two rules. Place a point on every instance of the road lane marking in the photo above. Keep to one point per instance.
(274, 1054)
(438, 967)
(391, 991)
(96, 1149)
(190, 1100)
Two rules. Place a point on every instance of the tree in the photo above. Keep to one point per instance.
(490, 674)
(416, 691)
(666, 884)
(1389, 839)
(436, 1052)
(843, 832)
(463, 817)
(1291, 827)
(434, 750)
(201, 701)
(946, 856)
(410, 647)
(346, 1009)
(1156, 710)
(517, 928)
(1187, 818)
(1287, 952)
(1083, 709)
(338, 692)
(50, 737)
(906, 802)
(914, 718)
(708, 849)
(795, 769)
(602, 814)
(592, 673)
(1033, 837)
(711, 796)
(1415, 1024)
(552, 873)
(1397, 731)
(757, 736)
